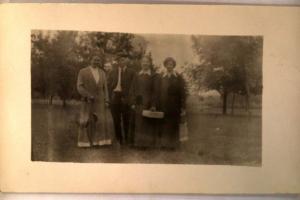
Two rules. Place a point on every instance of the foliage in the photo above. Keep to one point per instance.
(228, 64)
(57, 57)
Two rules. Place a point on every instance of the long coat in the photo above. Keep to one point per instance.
(170, 97)
(141, 95)
(95, 121)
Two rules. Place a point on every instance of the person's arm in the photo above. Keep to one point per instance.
(106, 94)
(183, 92)
(155, 91)
(132, 92)
(109, 84)
(81, 87)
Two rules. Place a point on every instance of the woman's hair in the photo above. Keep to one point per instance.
(98, 53)
(169, 59)
(148, 58)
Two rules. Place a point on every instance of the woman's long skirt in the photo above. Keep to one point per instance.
(145, 129)
(169, 132)
(95, 125)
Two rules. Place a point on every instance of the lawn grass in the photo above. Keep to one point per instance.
(213, 139)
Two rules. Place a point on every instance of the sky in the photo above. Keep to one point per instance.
(164, 45)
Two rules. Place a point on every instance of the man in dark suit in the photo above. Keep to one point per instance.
(120, 81)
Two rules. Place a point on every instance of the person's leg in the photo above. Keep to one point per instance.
(126, 120)
(116, 114)
(116, 111)
(132, 126)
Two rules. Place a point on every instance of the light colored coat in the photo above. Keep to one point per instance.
(95, 120)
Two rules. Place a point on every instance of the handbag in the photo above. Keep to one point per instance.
(153, 114)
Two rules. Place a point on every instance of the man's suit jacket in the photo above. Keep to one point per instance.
(127, 78)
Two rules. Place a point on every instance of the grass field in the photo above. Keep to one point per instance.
(213, 139)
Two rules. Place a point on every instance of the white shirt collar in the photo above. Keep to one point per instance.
(95, 73)
(145, 72)
(166, 73)
(123, 69)
(94, 68)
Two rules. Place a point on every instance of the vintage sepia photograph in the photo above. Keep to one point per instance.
(112, 97)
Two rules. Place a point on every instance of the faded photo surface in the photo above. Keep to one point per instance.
(104, 97)
(149, 99)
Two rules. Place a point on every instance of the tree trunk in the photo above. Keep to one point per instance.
(232, 103)
(247, 96)
(225, 102)
(247, 102)
(50, 100)
(64, 102)
(247, 108)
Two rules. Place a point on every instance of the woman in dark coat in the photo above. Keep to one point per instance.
(141, 94)
(170, 94)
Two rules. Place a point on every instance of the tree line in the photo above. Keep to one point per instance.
(57, 57)
(228, 64)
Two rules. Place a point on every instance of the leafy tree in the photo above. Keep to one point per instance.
(39, 65)
(228, 64)
(55, 63)
(57, 57)
(111, 44)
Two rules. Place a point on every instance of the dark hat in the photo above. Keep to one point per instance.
(169, 59)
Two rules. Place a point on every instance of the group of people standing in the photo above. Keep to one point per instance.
(114, 103)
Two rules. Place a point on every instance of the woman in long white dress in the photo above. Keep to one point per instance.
(96, 126)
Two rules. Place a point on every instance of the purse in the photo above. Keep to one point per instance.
(153, 114)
